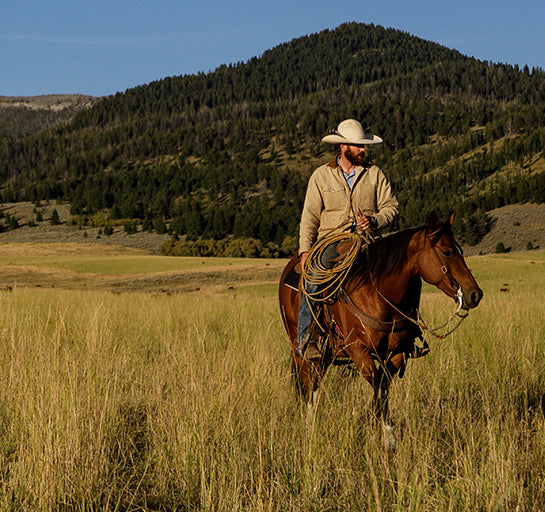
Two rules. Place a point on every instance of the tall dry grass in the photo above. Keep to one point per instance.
(141, 402)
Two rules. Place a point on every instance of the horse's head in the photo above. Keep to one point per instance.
(441, 263)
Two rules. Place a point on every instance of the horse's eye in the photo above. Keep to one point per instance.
(447, 252)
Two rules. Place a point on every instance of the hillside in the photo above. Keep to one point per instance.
(54, 102)
(43, 232)
(514, 226)
(228, 153)
(22, 116)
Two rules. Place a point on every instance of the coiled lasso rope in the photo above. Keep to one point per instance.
(329, 280)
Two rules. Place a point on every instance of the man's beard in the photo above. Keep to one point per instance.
(354, 159)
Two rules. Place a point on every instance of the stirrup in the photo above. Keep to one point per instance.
(307, 349)
(311, 351)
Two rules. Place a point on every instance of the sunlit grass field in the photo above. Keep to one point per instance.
(140, 401)
(120, 263)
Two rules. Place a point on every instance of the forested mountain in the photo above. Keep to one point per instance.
(229, 152)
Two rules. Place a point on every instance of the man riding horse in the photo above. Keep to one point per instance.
(343, 195)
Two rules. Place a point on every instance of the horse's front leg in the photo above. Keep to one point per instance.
(375, 373)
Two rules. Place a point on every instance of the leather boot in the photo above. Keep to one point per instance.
(301, 345)
(307, 348)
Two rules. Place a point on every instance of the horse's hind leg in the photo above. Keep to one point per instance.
(307, 376)
(381, 390)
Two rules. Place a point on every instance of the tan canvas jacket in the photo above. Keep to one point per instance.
(330, 205)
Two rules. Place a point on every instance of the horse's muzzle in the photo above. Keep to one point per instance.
(471, 300)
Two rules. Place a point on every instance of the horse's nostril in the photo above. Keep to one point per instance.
(476, 297)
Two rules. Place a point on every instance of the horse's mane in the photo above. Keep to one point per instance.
(384, 256)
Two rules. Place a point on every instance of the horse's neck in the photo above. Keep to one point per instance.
(391, 269)
(396, 284)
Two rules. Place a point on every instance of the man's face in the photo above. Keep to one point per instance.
(354, 154)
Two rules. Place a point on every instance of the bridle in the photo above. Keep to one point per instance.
(458, 296)
(453, 282)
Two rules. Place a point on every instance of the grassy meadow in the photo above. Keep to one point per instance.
(184, 401)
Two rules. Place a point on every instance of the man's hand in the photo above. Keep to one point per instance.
(364, 222)
(303, 259)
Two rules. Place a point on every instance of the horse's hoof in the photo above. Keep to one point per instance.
(389, 438)
(420, 350)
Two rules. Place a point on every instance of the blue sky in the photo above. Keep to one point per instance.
(100, 47)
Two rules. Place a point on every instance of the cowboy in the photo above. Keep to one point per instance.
(343, 195)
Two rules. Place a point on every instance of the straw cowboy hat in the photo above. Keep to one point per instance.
(350, 132)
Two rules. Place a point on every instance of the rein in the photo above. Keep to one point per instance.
(320, 275)
(400, 325)
(420, 322)
(374, 323)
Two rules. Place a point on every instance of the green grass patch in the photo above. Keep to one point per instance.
(118, 264)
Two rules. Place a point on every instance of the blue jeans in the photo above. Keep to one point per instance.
(307, 306)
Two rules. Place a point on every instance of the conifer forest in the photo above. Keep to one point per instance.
(224, 156)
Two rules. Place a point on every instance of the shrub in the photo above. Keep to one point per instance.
(130, 227)
(500, 248)
(234, 248)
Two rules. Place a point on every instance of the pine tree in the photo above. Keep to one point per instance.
(55, 220)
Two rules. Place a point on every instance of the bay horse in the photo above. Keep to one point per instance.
(372, 321)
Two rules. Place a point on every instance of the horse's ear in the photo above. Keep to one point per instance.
(451, 219)
(433, 222)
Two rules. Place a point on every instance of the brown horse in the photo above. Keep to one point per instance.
(372, 321)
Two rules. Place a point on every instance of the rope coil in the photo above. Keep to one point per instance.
(329, 280)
